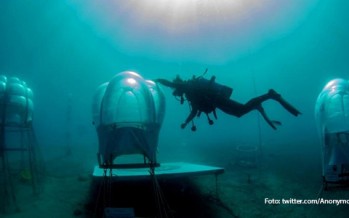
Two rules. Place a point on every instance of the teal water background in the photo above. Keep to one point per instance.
(63, 48)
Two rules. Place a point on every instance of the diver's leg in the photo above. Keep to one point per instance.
(237, 109)
(277, 97)
(231, 107)
(272, 94)
(271, 123)
(255, 103)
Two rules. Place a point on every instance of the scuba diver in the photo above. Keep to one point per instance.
(205, 96)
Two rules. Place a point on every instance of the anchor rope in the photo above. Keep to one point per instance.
(162, 205)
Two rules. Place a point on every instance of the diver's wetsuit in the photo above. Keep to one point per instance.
(206, 95)
(237, 109)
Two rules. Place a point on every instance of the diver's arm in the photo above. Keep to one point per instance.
(166, 83)
(191, 116)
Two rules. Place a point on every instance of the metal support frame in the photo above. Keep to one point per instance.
(28, 163)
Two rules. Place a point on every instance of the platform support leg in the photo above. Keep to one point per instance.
(216, 180)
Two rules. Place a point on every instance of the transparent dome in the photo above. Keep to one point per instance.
(159, 101)
(332, 116)
(3, 78)
(128, 112)
(96, 103)
(18, 100)
(127, 101)
(2, 88)
(332, 107)
(30, 105)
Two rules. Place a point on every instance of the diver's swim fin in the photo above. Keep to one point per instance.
(288, 107)
(276, 122)
(284, 103)
(271, 123)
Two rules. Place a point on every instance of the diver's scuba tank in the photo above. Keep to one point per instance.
(210, 87)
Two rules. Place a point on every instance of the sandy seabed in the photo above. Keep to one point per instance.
(68, 189)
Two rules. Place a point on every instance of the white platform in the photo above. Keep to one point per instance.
(165, 170)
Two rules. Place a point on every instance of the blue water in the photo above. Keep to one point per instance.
(63, 48)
